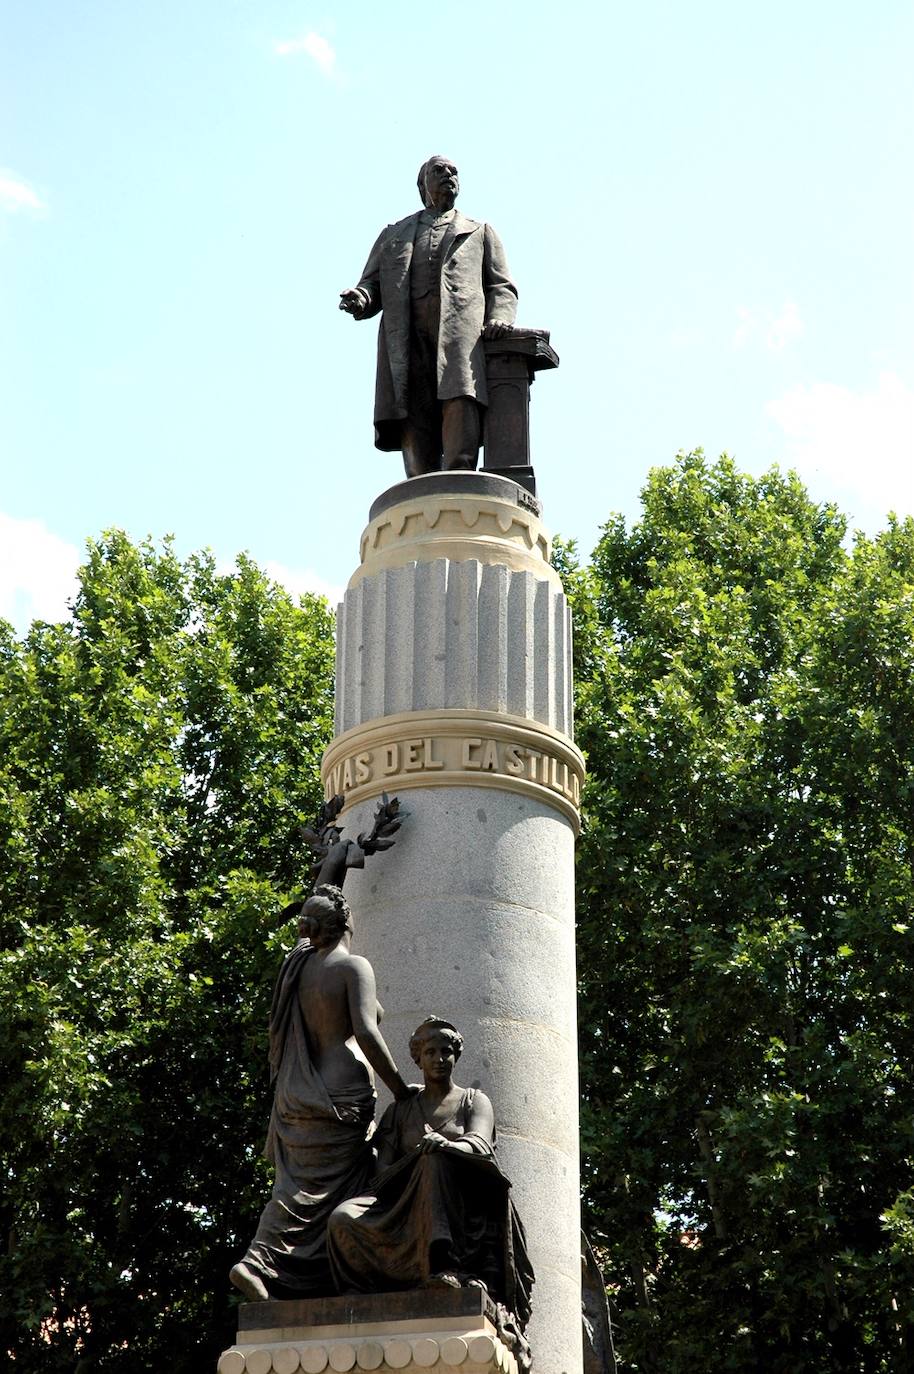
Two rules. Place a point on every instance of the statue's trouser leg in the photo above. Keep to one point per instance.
(436, 434)
(422, 426)
(460, 427)
(453, 426)
(419, 454)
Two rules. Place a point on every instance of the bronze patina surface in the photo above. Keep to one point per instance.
(323, 1105)
(439, 1213)
(441, 284)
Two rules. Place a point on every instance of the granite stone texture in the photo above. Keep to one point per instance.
(471, 917)
(446, 634)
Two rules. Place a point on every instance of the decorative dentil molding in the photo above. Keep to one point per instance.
(459, 528)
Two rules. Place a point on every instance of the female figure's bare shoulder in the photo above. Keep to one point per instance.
(358, 968)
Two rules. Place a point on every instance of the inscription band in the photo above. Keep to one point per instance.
(457, 748)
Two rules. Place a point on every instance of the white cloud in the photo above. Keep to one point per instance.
(860, 441)
(777, 329)
(297, 581)
(16, 194)
(315, 46)
(37, 572)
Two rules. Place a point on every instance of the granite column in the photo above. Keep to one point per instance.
(454, 692)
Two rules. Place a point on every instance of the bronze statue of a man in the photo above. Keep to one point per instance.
(442, 283)
(323, 1105)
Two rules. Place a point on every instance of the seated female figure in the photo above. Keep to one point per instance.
(440, 1211)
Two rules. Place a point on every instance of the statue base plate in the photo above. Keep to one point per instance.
(523, 475)
(427, 1329)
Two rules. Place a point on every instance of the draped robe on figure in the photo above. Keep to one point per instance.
(318, 1144)
(445, 1209)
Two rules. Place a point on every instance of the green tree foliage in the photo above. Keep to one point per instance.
(156, 753)
(746, 703)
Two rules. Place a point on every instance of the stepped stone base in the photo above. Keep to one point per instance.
(432, 1329)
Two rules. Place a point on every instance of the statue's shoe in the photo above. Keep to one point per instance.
(444, 1280)
(247, 1281)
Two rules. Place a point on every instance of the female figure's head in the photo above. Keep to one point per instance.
(436, 1046)
(325, 916)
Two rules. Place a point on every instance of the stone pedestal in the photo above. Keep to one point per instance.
(454, 692)
(427, 1330)
(511, 365)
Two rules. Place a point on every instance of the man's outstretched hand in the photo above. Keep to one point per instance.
(353, 302)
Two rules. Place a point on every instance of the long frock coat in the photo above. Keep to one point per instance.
(475, 288)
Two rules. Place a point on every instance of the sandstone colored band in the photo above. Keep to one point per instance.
(459, 528)
(453, 749)
(478, 1351)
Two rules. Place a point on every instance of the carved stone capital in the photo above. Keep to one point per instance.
(460, 528)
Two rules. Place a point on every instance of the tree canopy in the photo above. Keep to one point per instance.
(745, 690)
(745, 698)
(156, 753)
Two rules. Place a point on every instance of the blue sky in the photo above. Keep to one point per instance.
(709, 204)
